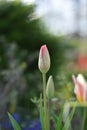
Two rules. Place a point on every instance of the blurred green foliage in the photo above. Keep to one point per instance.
(21, 35)
(16, 25)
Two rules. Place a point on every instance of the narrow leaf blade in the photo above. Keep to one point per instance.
(14, 123)
(68, 121)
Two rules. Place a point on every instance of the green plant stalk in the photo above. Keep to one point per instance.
(46, 113)
(84, 118)
(44, 93)
(44, 98)
(42, 114)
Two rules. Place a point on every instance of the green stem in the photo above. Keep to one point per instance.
(44, 92)
(83, 119)
(46, 108)
(45, 102)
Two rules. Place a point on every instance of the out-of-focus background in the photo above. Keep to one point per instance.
(25, 25)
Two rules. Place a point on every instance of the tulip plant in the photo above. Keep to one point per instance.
(48, 93)
(44, 66)
(44, 63)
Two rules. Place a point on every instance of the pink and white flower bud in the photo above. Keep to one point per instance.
(80, 87)
(44, 59)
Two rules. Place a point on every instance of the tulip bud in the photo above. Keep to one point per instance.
(44, 59)
(50, 88)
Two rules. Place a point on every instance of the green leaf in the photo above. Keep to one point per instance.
(14, 123)
(58, 120)
(68, 121)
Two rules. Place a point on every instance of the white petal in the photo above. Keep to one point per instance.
(81, 80)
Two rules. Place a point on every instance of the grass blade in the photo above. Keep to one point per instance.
(14, 123)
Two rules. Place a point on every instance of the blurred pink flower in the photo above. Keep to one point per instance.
(80, 87)
(44, 59)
